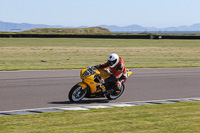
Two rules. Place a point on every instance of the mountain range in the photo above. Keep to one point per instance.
(17, 27)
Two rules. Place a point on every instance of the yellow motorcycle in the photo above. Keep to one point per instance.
(91, 86)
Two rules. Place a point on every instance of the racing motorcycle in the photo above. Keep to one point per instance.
(91, 86)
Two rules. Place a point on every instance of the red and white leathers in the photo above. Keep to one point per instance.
(118, 73)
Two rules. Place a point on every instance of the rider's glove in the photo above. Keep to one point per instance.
(97, 66)
(102, 81)
(91, 67)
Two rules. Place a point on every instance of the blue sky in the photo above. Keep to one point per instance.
(148, 13)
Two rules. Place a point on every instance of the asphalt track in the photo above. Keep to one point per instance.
(49, 88)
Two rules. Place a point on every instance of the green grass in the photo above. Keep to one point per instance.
(173, 118)
(64, 53)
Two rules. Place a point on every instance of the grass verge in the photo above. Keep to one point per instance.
(64, 53)
(176, 117)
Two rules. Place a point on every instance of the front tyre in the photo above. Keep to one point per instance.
(114, 95)
(77, 93)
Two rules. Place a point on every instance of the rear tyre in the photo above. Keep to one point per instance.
(77, 93)
(116, 94)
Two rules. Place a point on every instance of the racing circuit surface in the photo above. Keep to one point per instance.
(49, 88)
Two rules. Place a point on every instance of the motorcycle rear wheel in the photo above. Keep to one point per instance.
(77, 93)
(116, 94)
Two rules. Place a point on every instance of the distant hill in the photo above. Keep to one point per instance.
(194, 27)
(6, 26)
(126, 28)
(68, 30)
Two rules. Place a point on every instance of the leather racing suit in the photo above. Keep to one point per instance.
(118, 74)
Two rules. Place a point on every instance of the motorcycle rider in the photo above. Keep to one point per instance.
(117, 70)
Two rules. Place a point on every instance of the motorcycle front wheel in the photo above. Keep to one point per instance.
(114, 95)
(77, 93)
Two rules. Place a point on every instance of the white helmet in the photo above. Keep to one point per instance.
(113, 60)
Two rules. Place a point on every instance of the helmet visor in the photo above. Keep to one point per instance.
(111, 63)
